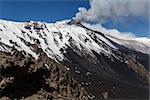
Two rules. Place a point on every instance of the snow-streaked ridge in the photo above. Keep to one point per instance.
(53, 38)
(128, 40)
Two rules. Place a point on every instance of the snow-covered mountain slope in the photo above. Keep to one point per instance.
(100, 60)
(53, 39)
(128, 40)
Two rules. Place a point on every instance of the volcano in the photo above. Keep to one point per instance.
(69, 60)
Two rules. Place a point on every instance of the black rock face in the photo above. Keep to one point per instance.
(116, 78)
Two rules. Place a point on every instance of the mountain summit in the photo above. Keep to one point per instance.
(71, 60)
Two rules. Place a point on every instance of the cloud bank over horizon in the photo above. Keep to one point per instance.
(115, 10)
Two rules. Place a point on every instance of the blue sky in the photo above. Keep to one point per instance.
(54, 10)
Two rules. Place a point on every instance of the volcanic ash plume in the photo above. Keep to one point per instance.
(102, 10)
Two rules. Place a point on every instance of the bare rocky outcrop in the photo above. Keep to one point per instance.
(29, 79)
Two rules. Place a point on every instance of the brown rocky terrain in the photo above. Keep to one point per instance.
(25, 78)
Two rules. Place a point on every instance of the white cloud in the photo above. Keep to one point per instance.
(101, 10)
(111, 32)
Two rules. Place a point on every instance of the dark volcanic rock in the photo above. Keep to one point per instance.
(110, 79)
